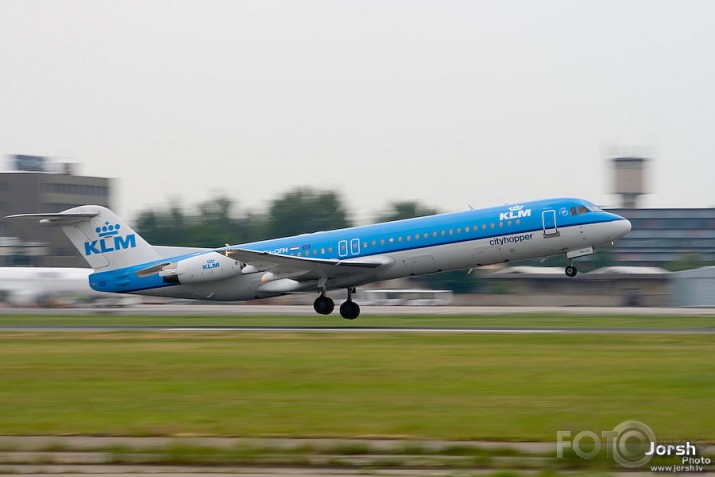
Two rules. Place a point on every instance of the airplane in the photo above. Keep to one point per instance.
(124, 262)
(31, 286)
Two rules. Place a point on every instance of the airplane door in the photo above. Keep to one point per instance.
(549, 221)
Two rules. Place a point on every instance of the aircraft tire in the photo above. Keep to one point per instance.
(323, 305)
(571, 271)
(349, 310)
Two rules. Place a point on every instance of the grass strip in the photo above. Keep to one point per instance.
(454, 387)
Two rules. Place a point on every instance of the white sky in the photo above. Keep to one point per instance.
(446, 102)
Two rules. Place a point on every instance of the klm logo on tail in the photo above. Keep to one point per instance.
(109, 240)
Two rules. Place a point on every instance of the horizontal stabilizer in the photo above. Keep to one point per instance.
(60, 218)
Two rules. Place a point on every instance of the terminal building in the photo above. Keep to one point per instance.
(35, 184)
(675, 239)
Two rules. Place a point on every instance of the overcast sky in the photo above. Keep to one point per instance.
(447, 102)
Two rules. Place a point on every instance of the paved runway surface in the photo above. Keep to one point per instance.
(362, 325)
(352, 329)
(244, 309)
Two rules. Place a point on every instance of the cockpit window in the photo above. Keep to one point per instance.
(579, 210)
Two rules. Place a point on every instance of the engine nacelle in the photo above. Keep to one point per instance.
(207, 267)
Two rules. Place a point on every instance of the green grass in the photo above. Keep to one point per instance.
(535, 320)
(498, 387)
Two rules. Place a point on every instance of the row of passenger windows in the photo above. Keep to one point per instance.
(416, 237)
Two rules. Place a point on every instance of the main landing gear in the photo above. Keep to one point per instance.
(323, 305)
(349, 310)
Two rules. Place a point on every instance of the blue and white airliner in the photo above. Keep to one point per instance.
(124, 262)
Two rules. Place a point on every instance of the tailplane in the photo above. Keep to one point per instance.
(100, 236)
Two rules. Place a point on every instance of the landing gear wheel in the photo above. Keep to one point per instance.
(323, 305)
(349, 310)
(571, 271)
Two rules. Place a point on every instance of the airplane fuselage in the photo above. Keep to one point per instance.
(453, 241)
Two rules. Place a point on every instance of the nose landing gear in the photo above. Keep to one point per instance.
(571, 271)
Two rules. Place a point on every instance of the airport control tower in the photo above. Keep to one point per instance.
(629, 180)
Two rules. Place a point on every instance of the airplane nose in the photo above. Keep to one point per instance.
(621, 227)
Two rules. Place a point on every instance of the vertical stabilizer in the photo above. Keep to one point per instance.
(100, 236)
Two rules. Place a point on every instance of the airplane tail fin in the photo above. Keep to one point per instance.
(100, 236)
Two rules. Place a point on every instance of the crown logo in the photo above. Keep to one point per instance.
(108, 229)
(516, 208)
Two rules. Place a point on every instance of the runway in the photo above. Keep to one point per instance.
(203, 309)
(407, 320)
(350, 329)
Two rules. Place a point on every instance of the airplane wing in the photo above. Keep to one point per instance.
(305, 267)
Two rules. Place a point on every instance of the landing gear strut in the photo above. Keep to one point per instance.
(571, 270)
(350, 310)
(324, 305)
